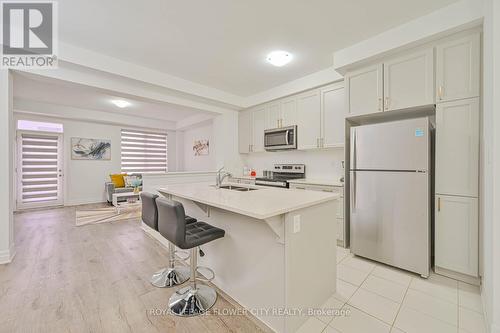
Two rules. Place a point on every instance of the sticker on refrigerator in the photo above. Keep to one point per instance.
(419, 132)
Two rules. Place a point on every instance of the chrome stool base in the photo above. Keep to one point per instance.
(170, 277)
(189, 302)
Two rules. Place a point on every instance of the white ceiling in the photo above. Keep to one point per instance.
(223, 43)
(34, 88)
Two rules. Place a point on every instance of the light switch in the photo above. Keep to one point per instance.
(296, 224)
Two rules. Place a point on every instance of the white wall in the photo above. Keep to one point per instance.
(186, 159)
(7, 249)
(84, 180)
(491, 167)
(321, 164)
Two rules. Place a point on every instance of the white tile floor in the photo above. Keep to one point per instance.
(384, 299)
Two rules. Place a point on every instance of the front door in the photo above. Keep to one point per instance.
(39, 170)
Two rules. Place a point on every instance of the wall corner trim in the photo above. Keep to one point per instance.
(6, 256)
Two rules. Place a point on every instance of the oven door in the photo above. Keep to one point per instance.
(280, 138)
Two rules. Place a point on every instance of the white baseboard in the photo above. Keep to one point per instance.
(6, 256)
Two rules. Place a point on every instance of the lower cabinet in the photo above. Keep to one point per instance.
(339, 219)
(457, 234)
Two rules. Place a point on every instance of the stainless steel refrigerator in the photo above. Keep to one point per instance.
(390, 193)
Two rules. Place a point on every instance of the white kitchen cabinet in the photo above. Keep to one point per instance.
(309, 120)
(409, 80)
(457, 147)
(289, 111)
(339, 218)
(458, 68)
(245, 121)
(333, 113)
(273, 114)
(456, 234)
(258, 127)
(364, 90)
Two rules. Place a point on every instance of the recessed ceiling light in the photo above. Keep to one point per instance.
(120, 103)
(279, 58)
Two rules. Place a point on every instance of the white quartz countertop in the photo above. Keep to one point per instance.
(313, 181)
(263, 203)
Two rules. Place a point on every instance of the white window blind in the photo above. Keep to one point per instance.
(39, 168)
(143, 152)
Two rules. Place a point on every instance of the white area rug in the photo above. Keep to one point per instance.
(107, 214)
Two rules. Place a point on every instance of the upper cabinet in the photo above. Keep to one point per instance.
(319, 115)
(409, 80)
(397, 83)
(309, 120)
(457, 68)
(333, 112)
(245, 122)
(273, 113)
(364, 89)
(457, 148)
(289, 111)
(258, 128)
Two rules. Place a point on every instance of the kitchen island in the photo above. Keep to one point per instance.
(278, 256)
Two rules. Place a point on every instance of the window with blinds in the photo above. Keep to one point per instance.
(39, 169)
(143, 152)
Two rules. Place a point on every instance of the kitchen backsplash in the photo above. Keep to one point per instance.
(323, 164)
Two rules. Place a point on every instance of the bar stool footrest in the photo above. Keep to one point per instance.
(203, 279)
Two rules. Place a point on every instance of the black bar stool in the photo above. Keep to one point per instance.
(195, 298)
(169, 276)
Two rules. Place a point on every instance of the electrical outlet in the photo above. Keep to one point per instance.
(296, 224)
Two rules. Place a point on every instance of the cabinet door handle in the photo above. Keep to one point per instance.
(440, 92)
(386, 104)
(380, 104)
(439, 204)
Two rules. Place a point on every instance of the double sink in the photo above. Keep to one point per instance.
(237, 188)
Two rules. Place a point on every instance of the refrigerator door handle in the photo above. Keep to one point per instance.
(353, 151)
(353, 192)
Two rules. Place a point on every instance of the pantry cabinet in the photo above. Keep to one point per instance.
(309, 120)
(458, 68)
(409, 80)
(457, 234)
(245, 127)
(333, 115)
(364, 90)
(457, 147)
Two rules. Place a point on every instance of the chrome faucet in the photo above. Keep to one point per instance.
(221, 175)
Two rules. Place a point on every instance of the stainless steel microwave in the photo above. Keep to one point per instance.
(280, 138)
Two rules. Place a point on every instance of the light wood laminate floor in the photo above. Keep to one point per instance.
(92, 278)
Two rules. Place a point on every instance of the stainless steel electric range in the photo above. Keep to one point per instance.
(280, 175)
